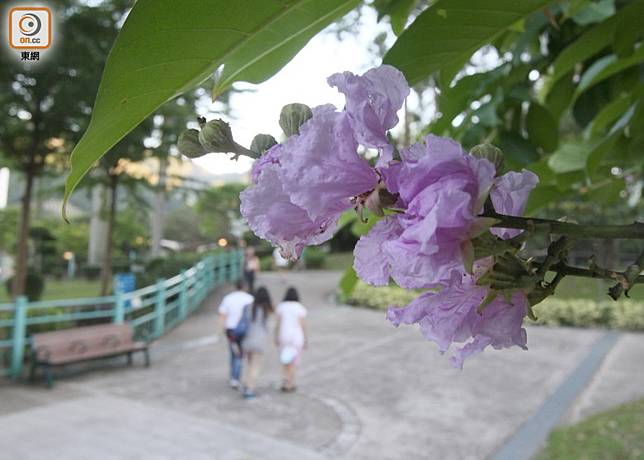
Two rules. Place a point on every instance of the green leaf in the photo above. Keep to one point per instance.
(599, 151)
(594, 12)
(348, 282)
(568, 158)
(607, 193)
(517, 150)
(590, 43)
(167, 47)
(611, 112)
(541, 196)
(445, 35)
(289, 33)
(560, 95)
(628, 30)
(397, 10)
(347, 217)
(359, 228)
(542, 128)
(452, 101)
(607, 67)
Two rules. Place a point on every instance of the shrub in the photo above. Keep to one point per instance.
(34, 286)
(266, 263)
(625, 314)
(165, 267)
(314, 257)
(380, 298)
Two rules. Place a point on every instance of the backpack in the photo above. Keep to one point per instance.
(244, 322)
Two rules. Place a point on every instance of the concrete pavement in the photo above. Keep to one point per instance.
(366, 390)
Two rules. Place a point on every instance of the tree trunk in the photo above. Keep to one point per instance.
(22, 254)
(97, 228)
(106, 269)
(157, 220)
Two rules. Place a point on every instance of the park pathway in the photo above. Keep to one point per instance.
(366, 391)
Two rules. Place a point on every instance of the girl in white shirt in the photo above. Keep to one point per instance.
(290, 335)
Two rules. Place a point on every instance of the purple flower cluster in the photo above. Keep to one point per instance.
(302, 186)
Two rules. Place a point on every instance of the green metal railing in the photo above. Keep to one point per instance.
(152, 310)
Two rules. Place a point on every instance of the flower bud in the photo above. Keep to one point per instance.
(293, 116)
(189, 144)
(491, 153)
(216, 136)
(262, 142)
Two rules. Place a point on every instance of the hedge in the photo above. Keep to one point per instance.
(625, 314)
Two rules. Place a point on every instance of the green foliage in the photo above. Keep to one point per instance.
(613, 434)
(397, 10)
(348, 283)
(218, 208)
(172, 48)
(166, 267)
(444, 36)
(8, 225)
(554, 311)
(314, 257)
(564, 100)
(266, 263)
(379, 298)
(34, 287)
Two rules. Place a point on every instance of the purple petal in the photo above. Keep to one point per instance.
(272, 216)
(371, 262)
(321, 169)
(450, 316)
(372, 101)
(271, 156)
(509, 196)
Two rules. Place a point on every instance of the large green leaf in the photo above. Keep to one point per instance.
(599, 151)
(255, 61)
(542, 128)
(607, 67)
(518, 152)
(628, 30)
(594, 12)
(397, 10)
(444, 36)
(611, 112)
(167, 47)
(568, 158)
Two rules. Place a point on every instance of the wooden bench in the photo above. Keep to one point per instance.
(69, 346)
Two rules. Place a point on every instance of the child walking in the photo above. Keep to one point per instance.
(254, 342)
(290, 335)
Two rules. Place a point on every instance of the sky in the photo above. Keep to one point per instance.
(301, 80)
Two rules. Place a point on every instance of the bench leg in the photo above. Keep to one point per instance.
(147, 357)
(129, 358)
(48, 377)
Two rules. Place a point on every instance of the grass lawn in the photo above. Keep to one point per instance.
(617, 434)
(63, 289)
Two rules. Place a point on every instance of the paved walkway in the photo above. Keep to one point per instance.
(366, 391)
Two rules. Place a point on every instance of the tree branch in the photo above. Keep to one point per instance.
(634, 231)
(598, 273)
(628, 278)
